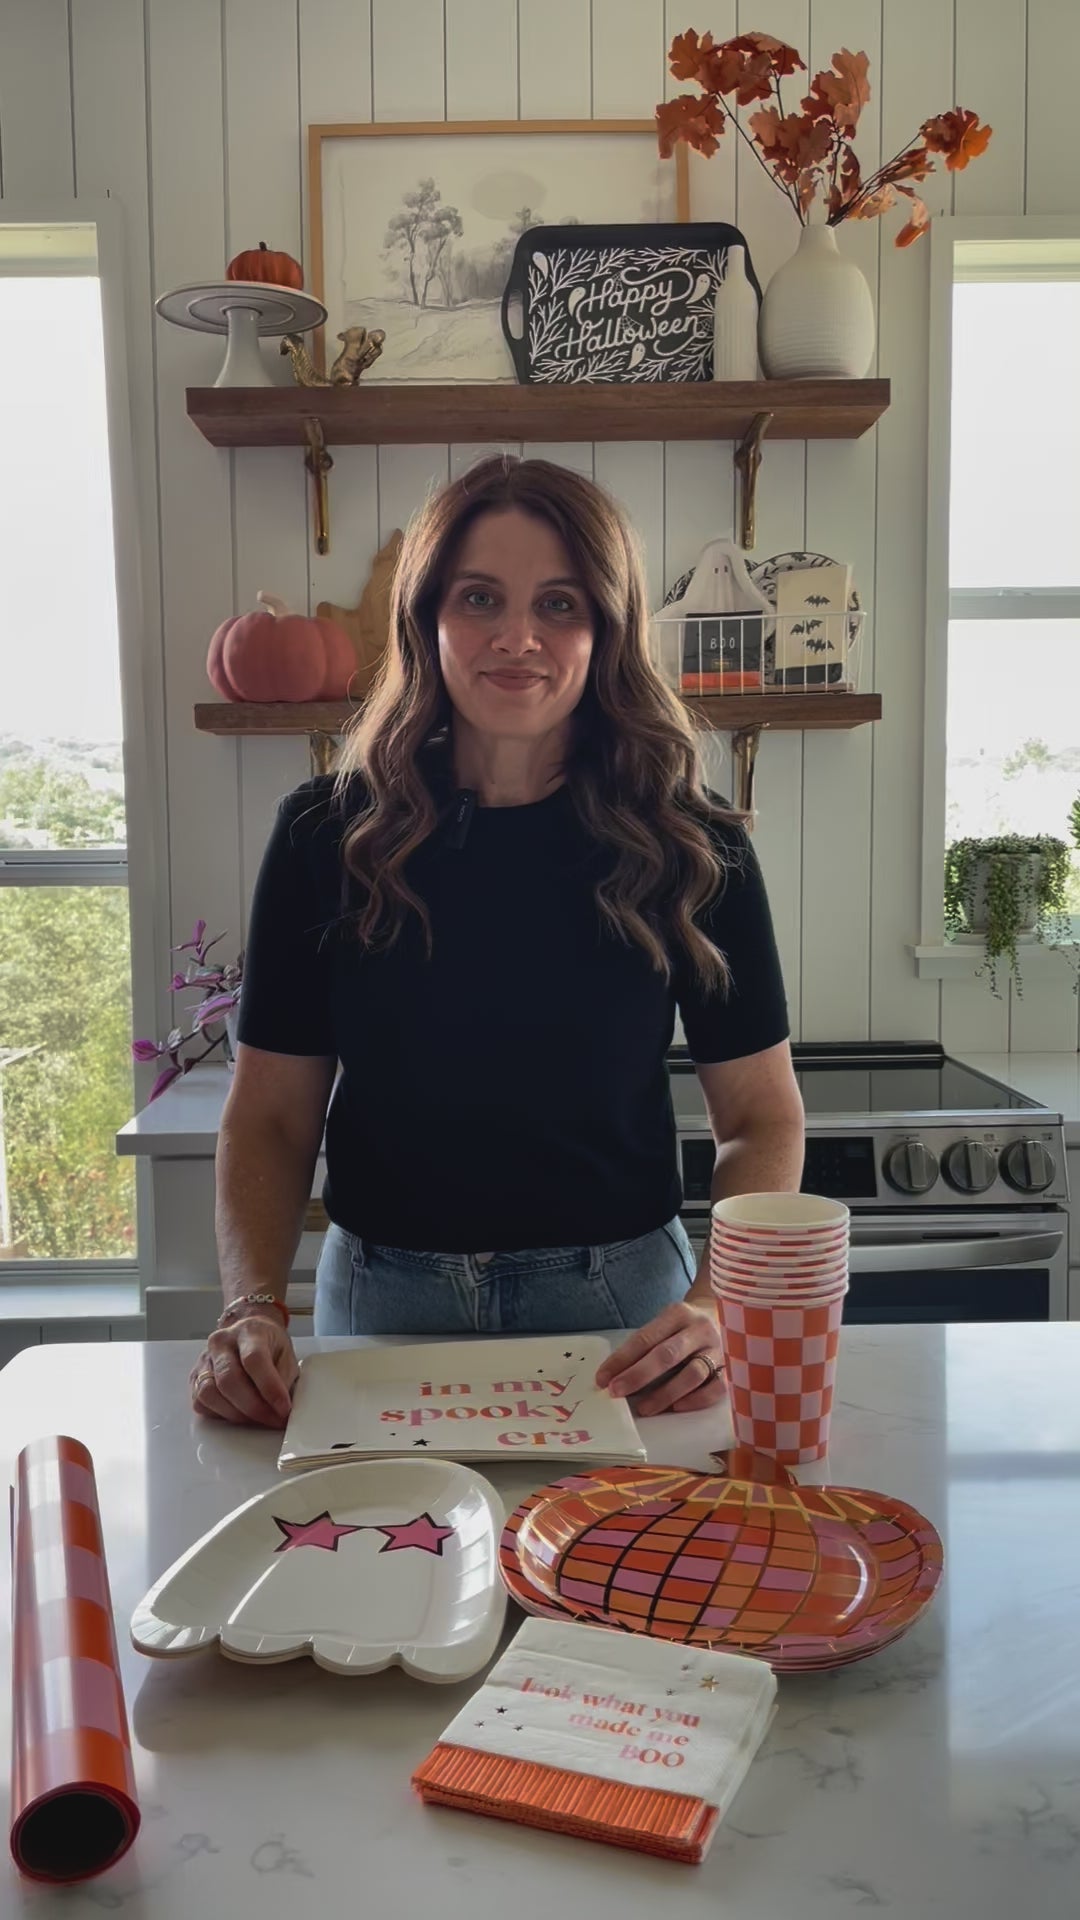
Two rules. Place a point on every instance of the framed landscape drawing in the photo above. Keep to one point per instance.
(413, 225)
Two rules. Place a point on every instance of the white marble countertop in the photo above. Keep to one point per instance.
(941, 1776)
(184, 1122)
(1051, 1078)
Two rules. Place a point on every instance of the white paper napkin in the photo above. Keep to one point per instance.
(648, 1713)
(532, 1398)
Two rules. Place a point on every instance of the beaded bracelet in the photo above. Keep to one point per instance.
(254, 1300)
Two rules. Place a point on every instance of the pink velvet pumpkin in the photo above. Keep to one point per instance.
(273, 654)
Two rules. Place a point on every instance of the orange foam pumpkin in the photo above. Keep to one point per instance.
(273, 654)
(262, 263)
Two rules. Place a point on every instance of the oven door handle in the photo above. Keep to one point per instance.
(916, 1256)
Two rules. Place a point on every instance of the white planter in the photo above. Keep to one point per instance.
(735, 322)
(977, 906)
(817, 316)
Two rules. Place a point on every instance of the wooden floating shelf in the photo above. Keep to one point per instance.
(785, 712)
(247, 719)
(725, 712)
(411, 414)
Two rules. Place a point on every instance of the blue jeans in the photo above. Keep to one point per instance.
(363, 1288)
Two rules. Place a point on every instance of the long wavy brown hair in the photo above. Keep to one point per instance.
(633, 768)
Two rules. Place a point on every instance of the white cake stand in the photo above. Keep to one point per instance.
(242, 309)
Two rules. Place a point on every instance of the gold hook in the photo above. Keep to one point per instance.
(747, 462)
(318, 463)
(744, 747)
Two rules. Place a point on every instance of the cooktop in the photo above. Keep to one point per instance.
(897, 1126)
(876, 1078)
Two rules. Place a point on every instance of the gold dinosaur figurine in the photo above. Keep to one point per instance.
(360, 350)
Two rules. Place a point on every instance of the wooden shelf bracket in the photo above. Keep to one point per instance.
(744, 747)
(318, 463)
(322, 747)
(747, 462)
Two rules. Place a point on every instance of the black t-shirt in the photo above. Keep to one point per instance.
(511, 1092)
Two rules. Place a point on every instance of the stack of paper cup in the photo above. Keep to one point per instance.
(778, 1263)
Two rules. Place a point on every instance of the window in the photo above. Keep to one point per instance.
(65, 966)
(1013, 717)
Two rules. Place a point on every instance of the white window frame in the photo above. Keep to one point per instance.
(933, 958)
(143, 867)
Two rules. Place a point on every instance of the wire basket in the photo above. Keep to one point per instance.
(737, 653)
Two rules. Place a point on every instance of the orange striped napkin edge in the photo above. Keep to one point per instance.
(673, 1825)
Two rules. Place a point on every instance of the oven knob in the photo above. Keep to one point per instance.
(969, 1166)
(910, 1167)
(1028, 1166)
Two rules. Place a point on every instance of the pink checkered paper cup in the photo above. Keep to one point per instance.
(723, 1261)
(778, 1300)
(788, 1236)
(767, 1247)
(804, 1243)
(792, 1215)
(776, 1274)
(781, 1372)
(776, 1259)
(781, 1296)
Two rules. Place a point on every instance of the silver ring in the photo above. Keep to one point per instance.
(713, 1373)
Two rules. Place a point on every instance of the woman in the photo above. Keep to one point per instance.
(488, 919)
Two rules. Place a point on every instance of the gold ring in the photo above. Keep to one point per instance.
(201, 1378)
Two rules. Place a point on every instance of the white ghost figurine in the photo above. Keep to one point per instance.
(720, 583)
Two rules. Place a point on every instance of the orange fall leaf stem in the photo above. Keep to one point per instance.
(810, 152)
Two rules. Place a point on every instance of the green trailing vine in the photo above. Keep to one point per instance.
(1024, 876)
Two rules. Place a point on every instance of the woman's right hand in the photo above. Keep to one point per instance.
(246, 1373)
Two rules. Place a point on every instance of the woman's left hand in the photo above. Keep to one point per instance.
(673, 1365)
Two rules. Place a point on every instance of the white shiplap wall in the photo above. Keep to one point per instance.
(191, 118)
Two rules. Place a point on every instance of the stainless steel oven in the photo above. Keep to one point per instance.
(938, 1267)
(956, 1183)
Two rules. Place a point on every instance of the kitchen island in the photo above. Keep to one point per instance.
(941, 1776)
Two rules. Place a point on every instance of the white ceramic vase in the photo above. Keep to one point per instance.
(817, 316)
(735, 322)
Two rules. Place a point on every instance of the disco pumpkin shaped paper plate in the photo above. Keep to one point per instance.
(372, 1564)
(804, 1577)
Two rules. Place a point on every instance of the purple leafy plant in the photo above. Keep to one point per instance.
(219, 986)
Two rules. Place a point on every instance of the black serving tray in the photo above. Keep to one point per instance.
(618, 303)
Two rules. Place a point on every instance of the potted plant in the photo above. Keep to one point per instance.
(817, 317)
(219, 987)
(1002, 890)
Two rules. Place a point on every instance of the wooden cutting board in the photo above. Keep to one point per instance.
(368, 624)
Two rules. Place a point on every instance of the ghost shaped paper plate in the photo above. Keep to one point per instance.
(372, 1564)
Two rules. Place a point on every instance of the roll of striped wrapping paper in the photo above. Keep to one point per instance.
(73, 1805)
